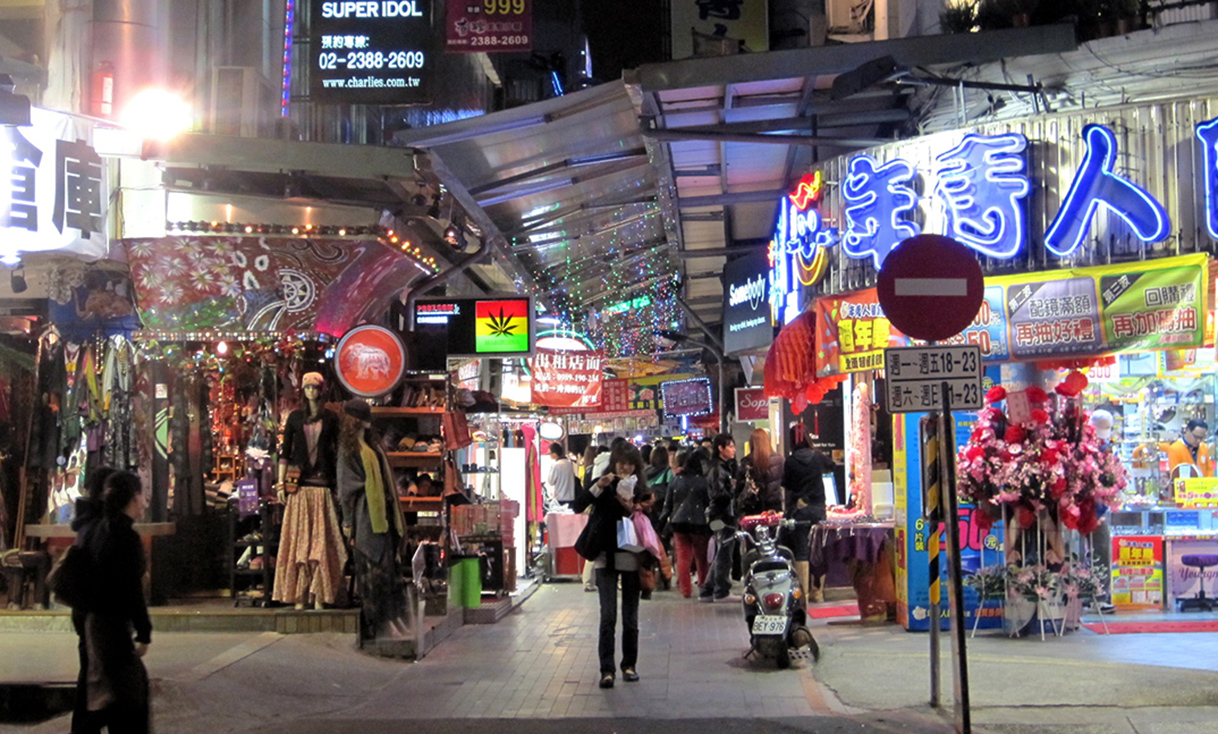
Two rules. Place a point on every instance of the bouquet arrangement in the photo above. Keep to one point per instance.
(1052, 461)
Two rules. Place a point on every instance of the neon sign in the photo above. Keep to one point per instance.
(1096, 185)
(878, 198)
(797, 250)
(983, 184)
(1207, 133)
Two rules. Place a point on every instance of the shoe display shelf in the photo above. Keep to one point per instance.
(254, 544)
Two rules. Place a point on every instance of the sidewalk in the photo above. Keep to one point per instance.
(539, 665)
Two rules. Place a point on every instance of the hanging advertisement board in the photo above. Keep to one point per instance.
(488, 26)
(1137, 571)
(563, 379)
(481, 327)
(746, 307)
(371, 52)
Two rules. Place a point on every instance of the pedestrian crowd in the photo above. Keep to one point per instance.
(693, 496)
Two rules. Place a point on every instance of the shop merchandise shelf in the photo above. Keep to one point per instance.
(387, 411)
(414, 458)
(252, 585)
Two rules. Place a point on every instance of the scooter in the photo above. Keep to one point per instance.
(774, 604)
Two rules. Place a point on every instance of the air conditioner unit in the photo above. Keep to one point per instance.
(242, 102)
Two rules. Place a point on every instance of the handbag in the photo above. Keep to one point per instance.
(456, 430)
(628, 537)
(291, 480)
(646, 534)
(71, 578)
(647, 578)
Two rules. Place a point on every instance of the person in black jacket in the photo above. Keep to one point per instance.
(312, 553)
(117, 682)
(761, 472)
(724, 485)
(803, 480)
(685, 514)
(616, 494)
(89, 510)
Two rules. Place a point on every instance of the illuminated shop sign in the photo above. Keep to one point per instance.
(746, 314)
(797, 254)
(983, 184)
(1097, 185)
(878, 201)
(1207, 133)
(371, 51)
(53, 190)
(481, 327)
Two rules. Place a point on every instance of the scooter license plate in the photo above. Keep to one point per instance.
(769, 624)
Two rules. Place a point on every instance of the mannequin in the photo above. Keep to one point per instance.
(372, 518)
(312, 552)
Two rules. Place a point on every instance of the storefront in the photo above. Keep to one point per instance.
(1088, 258)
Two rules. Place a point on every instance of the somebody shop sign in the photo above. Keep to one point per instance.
(53, 193)
(979, 194)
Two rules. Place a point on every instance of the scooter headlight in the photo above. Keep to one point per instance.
(750, 599)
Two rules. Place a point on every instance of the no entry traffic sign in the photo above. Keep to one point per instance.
(931, 287)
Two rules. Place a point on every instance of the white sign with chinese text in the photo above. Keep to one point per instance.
(916, 373)
(53, 189)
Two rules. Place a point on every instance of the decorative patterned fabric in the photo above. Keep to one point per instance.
(856, 542)
(264, 283)
(311, 549)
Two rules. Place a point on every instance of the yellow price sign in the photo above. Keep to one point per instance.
(503, 7)
(1196, 492)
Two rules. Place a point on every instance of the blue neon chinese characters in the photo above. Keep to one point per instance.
(983, 184)
(1096, 184)
(878, 197)
(1207, 133)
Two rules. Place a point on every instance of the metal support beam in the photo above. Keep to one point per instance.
(282, 156)
(677, 136)
(743, 197)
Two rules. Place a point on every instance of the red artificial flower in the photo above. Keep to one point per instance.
(1058, 488)
(1074, 383)
(1015, 434)
(1040, 417)
(1036, 395)
(996, 393)
(1048, 456)
(1026, 517)
(972, 453)
(994, 414)
(983, 519)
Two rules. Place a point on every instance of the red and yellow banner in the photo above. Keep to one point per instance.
(501, 326)
(853, 333)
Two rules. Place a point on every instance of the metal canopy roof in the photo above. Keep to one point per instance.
(735, 132)
(569, 187)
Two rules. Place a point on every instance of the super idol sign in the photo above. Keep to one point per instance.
(53, 193)
(982, 189)
(797, 249)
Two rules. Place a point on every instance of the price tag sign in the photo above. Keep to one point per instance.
(915, 373)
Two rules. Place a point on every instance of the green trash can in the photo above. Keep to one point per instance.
(471, 591)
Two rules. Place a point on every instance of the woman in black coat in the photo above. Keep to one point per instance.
(117, 685)
(617, 494)
(685, 514)
(89, 510)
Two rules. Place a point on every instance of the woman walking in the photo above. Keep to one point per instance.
(685, 511)
(372, 517)
(616, 495)
(762, 471)
(117, 682)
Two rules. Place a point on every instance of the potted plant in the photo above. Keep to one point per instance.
(958, 16)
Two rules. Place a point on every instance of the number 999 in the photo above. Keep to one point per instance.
(503, 7)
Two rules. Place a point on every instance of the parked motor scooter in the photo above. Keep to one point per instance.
(774, 602)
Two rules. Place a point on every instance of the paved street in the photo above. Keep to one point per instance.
(536, 671)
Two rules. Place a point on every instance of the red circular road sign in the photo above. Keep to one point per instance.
(931, 287)
(369, 361)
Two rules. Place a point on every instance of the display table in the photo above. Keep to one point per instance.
(866, 549)
(564, 529)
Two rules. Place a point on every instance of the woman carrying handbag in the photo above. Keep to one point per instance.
(614, 497)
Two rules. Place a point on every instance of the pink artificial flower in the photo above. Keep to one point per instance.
(1042, 592)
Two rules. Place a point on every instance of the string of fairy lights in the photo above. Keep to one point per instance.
(585, 275)
(386, 236)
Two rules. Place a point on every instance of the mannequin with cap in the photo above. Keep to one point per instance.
(312, 552)
(372, 518)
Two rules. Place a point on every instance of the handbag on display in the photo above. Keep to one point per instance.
(291, 480)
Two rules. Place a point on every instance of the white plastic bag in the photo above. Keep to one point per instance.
(627, 537)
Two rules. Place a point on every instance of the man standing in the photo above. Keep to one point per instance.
(723, 482)
(803, 479)
(1188, 457)
(562, 476)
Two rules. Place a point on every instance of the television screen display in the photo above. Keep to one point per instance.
(687, 397)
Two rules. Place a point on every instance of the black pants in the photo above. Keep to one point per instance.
(719, 581)
(606, 584)
(82, 721)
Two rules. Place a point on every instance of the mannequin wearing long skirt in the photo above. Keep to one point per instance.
(312, 552)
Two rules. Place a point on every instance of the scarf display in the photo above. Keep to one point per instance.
(374, 492)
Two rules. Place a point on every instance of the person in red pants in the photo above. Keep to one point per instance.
(685, 513)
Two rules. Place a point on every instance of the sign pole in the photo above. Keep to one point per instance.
(955, 582)
(932, 515)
